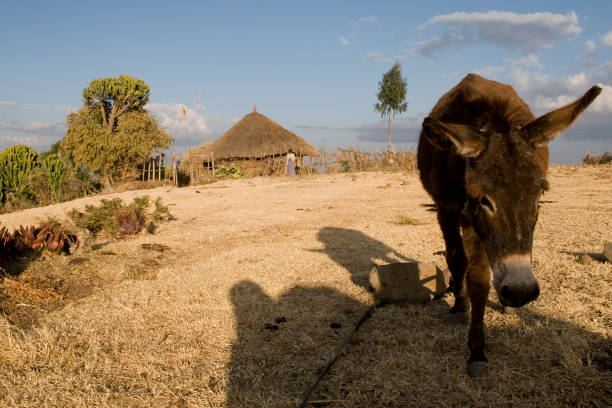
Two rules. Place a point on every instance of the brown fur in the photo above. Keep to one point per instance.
(483, 157)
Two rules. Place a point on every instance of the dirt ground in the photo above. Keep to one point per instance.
(244, 297)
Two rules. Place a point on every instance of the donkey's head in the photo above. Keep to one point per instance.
(505, 178)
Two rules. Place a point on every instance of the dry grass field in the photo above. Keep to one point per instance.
(230, 305)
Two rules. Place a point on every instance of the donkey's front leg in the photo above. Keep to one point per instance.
(478, 277)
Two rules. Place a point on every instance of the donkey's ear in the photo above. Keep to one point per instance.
(460, 139)
(547, 127)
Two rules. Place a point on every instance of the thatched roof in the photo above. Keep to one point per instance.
(256, 136)
(195, 154)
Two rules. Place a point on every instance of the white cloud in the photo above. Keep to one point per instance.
(7, 104)
(343, 41)
(37, 127)
(368, 19)
(403, 130)
(32, 141)
(604, 72)
(373, 55)
(528, 61)
(590, 46)
(186, 124)
(544, 93)
(38, 134)
(490, 72)
(606, 39)
(603, 103)
(588, 60)
(525, 33)
(378, 57)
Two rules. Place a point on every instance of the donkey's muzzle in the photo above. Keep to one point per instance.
(515, 283)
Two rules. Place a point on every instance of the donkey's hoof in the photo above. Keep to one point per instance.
(457, 318)
(509, 310)
(478, 368)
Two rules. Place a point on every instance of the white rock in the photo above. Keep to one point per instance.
(608, 251)
(413, 282)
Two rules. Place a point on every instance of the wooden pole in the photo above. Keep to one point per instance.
(159, 166)
(174, 167)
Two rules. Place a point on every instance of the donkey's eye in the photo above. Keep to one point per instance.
(487, 204)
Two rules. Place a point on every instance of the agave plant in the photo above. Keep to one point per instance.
(6, 243)
(25, 240)
(130, 222)
(24, 237)
(54, 239)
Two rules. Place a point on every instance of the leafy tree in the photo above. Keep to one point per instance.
(112, 133)
(391, 97)
(114, 97)
(137, 134)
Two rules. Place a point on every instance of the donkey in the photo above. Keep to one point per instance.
(483, 158)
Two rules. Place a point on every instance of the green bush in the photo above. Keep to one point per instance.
(161, 212)
(111, 214)
(231, 171)
(98, 218)
(55, 175)
(15, 164)
(346, 166)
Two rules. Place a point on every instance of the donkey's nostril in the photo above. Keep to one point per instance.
(519, 295)
(534, 293)
(505, 292)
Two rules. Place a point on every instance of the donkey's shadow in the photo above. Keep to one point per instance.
(357, 252)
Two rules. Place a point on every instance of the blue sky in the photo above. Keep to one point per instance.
(313, 66)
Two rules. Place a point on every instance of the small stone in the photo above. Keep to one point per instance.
(585, 259)
(413, 282)
(608, 251)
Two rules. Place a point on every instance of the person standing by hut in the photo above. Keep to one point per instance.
(290, 169)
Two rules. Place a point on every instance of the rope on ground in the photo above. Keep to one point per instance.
(365, 316)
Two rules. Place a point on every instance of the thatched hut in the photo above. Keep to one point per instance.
(256, 144)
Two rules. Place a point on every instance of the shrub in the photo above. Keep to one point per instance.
(15, 163)
(98, 219)
(161, 212)
(231, 171)
(601, 158)
(55, 173)
(354, 160)
(114, 218)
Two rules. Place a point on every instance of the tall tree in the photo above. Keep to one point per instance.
(112, 132)
(391, 97)
(137, 134)
(114, 97)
